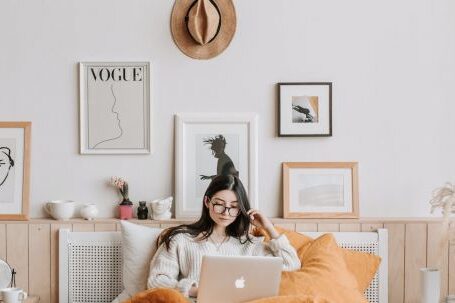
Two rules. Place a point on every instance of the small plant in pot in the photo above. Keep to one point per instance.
(126, 206)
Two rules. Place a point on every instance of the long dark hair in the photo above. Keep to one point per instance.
(238, 229)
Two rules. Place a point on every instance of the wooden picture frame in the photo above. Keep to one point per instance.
(15, 170)
(320, 190)
(305, 109)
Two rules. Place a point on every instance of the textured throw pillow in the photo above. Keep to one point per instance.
(324, 274)
(158, 295)
(362, 265)
(139, 246)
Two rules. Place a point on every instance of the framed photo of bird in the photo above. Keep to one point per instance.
(305, 109)
(212, 144)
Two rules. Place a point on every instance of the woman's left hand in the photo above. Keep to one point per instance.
(258, 219)
(261, 221)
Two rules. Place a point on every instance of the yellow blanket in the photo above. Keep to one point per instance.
(162, 295)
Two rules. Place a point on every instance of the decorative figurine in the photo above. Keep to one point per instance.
(142, 211)
(162, 208)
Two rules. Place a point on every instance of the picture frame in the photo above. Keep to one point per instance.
(14, 170)
(203, 139)
(114, 108)
(305, 109)
(320, 190)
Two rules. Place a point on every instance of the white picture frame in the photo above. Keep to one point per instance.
(320, 190)
(114, 108)
(194, 158)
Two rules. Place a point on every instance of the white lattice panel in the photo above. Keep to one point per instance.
(90, 266)
(372, 292)
(94, 273)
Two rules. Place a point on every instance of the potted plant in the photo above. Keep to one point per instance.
(126, 206)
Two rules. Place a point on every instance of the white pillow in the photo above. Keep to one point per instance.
(139, 246)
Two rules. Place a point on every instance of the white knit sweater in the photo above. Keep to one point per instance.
(180, 266)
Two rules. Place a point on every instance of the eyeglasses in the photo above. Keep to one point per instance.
(220, 209)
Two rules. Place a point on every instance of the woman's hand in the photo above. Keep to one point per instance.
(261, 221)
(193, 292)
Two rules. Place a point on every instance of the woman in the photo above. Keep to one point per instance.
(223, 229)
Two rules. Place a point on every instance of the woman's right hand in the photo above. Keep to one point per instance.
(193, 292)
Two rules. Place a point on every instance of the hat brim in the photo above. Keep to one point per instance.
(191, 48)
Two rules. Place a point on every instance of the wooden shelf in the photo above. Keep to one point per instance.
(274, 220)
(32, 300)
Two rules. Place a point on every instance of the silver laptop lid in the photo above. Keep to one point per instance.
(226, 279)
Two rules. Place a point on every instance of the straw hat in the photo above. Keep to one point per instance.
(202, 29)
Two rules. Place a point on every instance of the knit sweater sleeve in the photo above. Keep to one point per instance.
(165, 270)
(280, 247)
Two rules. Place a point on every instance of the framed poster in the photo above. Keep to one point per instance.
(209, 144)
(305, 109)
(14, 170)
(320, 190)
(114, 107)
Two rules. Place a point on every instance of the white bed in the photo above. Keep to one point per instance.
(90, 264)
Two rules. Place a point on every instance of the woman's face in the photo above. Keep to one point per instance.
(221, 199)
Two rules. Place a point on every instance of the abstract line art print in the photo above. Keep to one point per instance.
(7, 169)
(14, 170)
(115, 108)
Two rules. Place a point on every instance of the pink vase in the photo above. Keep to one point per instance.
(125, 212)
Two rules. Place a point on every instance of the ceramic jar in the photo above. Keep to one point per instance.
(89, 211)
(60, 209)
(125, 209)
(142, 211)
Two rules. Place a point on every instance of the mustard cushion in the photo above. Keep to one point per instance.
(362, 265)
(291, 299)
(323, 274)
(158, 295)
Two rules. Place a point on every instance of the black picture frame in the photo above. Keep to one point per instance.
(306, 127)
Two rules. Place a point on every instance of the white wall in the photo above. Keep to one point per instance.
(392, 64)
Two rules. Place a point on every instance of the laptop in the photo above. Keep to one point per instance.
(226, 279)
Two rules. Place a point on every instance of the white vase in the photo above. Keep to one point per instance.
(89, 211)
(430, 285)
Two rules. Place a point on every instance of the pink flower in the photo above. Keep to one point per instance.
(121, 185)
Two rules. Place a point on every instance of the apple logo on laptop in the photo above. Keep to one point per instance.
(240, 283)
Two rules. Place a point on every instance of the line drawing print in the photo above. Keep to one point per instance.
(6, 163)
(118, 119)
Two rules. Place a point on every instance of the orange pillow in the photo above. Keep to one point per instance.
(323, 274)
(362, 265)
(291, 299)
(158, 295)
